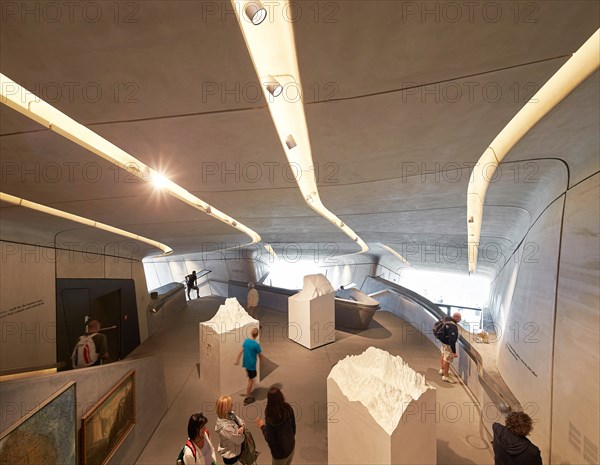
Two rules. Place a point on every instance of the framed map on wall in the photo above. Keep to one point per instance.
(47, 434)
(106, 425)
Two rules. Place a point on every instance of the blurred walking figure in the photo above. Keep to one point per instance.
(231, 431)
(252, 301)
(279, 427)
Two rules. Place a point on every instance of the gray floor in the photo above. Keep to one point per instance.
(301, 374)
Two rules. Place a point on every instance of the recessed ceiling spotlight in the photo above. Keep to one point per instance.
(255, 11)
(290, 142)
(273, 86)
(309, 199)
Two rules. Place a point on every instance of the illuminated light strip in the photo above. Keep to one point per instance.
(396, 254)
(577, 69)
(28, 104)
(273, 51)
(19, 202)
(271, 251)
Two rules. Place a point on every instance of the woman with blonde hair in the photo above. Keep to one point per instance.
(231, 431)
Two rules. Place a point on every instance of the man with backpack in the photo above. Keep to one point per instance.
(446, 331)
(92, 347)
(190, 281)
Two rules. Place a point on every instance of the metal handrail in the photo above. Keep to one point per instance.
(501, 395)
(156, 304)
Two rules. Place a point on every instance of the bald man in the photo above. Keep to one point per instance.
(447, 333)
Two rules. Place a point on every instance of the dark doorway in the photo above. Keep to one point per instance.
(110, 301)
(75, 309)
(107, 310)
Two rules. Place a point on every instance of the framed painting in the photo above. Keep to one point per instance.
(47, 434)
(106, 424)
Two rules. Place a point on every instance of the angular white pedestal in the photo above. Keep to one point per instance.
(385, 423)
(311, 313)
(221, 340)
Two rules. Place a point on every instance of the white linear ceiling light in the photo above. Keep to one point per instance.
(582, 64)
(273, 52)
(28, 104)
(395, 254)
(17, 201)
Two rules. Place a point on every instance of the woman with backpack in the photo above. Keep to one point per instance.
(198, 449)
(231, 431)
(279, 429)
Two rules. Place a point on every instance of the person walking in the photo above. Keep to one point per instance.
(92, 347)
(446, 331)
(190, 281)
(279, 427)
(231, 431)
(250, 350)
(511, 446)
(198, 449)
(252, 301)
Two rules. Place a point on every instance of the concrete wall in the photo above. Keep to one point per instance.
(21, 396)
(576, 367)
(28, 297)
(546, 306)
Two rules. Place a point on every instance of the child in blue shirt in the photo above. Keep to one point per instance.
(250, 350)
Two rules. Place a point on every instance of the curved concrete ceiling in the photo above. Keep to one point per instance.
(399, 104)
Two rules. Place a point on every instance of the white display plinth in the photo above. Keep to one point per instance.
(221, 340)
(311, 313)
(390, 407)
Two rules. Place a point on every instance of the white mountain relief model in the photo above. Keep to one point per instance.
(383, 383)
(230, 316)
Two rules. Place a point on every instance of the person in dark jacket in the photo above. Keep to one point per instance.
(511, 447)
(446, 331)
(190, 281)
(279, 429)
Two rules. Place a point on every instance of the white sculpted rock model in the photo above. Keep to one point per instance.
(314, 285)
(383, 383)
(230, 316)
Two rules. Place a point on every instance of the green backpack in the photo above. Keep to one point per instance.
(189, 444)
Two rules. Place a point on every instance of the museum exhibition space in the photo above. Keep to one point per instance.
(370, 229)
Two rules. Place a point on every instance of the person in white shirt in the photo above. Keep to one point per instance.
(231, 431)
(204, 452)
(252, 301)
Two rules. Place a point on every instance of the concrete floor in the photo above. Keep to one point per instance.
(301, 374)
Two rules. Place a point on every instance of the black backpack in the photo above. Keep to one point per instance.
(438, 329)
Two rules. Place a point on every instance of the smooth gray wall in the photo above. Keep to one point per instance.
(29, 275)
(20, 396)
(546, 305)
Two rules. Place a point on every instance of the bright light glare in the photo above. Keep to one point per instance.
(448, 288)
(290, 275)
(159, 180)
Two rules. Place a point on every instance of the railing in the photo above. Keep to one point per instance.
(161, 295)
(500, 394)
